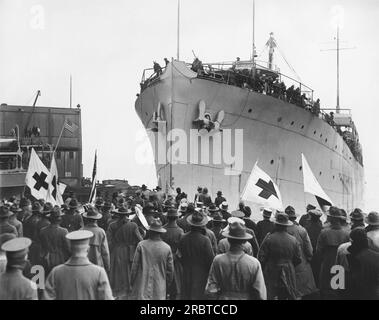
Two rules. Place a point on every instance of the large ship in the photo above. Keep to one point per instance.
(264, 115)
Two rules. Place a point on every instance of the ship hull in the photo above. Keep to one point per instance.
(275, 133)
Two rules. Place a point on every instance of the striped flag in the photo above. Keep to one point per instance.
(92, 196)
(70, 126)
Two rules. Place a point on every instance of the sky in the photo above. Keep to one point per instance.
(106, 45)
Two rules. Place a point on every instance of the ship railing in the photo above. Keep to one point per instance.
(149, 76)
(224, 71)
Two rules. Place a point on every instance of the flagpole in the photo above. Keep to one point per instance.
(60, 136)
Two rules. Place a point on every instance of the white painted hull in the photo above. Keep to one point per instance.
(275, 133)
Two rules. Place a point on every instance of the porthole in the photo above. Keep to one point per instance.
(314, 132)
(280, 119)
(326, 140)
(146, 113)
(300, 168)
(272, 161)
(302, 127)
(334, 177)
(292, 123)
(320, 173)
(335, 147)
(250, 110)
(321, 135)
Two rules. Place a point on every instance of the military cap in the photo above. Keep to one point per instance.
(79, 236)
(16, 245)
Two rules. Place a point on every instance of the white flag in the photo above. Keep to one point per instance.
(38, 177)
(260, 189)
(312, 186)
(55, 191)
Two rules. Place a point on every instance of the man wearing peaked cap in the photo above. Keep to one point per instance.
(13, 285)
(54, 246)
(5, 226)
(235, 275)
(78, 278)
(99, 251)
(153, 269)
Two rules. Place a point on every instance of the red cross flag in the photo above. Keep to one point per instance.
(38, 177)
(261, 190)
(55, 191)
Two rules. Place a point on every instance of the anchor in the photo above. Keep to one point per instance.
(205, 123)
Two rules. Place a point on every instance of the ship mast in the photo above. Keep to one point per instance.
(271, 44)
(338, 70)
(178, 33)
(253, 53)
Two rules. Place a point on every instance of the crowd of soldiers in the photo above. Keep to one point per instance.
(154, 245)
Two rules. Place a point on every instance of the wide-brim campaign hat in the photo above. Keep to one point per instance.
(372, 219)
(73, 204)
(237, 214)
(218, 218)
(334, 212)
(310, 207)
(92, 213)
(197, 219)
(15, 208)
(357, 215)
(282, 219)
(36, 207)
(156, 226)
(55, 213)
(212, 208)
(122, 211)
(172, 212)
(4, 212)
(290, 211)
(47, 208)
(315, 212)
(237, 231)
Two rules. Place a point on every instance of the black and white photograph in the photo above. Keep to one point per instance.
(196, 152)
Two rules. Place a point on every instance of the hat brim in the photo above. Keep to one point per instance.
(160, 230)
(287, 224)
(122, 213)
(202, 223)
(338, 217)
(371, 223)
(246, 237)
(97, 217)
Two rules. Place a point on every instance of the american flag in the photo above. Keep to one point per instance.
(70, 126)
(92, 195)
